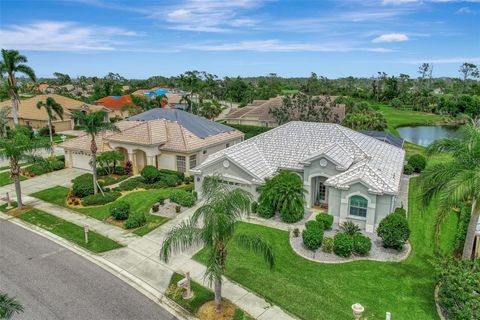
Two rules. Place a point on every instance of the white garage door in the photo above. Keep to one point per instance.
(81, 161)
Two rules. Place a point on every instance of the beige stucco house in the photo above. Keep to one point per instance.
(165, 138)
(355, 176)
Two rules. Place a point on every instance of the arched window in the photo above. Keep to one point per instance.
(358, 206)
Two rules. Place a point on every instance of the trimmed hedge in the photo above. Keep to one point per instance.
(343, 244)
(313, 235)
(178, 174)
(135, 221)
(100, 199)
(120, 210)
(150, 174)
(83, 185)
(361, 244)
(314, 225)
(327, 244)
(183, 198)
(36, 169)
(418, 162)
(408, 169)
(326, 219)
(394, 231)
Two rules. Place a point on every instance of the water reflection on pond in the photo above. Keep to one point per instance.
(425, 135)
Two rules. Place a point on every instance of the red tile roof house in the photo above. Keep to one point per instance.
(115, 104)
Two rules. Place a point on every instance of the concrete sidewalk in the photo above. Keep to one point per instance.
(140, 258)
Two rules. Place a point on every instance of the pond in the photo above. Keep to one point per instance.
(425, 135)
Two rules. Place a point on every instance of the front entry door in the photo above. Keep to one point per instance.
(319, 193)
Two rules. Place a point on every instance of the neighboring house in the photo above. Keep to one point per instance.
(258, 113)
(115, 104)
(355, 176)
(385, 137)
(29, 114)
(165, 138)
(174, 97)
(42, 87)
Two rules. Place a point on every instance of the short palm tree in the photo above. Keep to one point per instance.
(213, 226)
(16, 147)
(12, 62)
(94, 123)
(455, 181)
(9, 306)
(53, 110)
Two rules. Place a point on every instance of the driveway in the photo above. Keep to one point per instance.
(40, 153)
(52, 282)
(45, 181)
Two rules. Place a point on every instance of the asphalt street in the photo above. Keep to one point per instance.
(52, 282)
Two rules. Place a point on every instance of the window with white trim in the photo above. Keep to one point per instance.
(358, 206)
(193, 161)
(181, 164)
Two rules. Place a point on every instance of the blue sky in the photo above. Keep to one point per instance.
(339, 38)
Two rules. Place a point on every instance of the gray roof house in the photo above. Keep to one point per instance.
(357, 177)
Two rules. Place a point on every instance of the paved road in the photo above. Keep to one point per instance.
(55, 283)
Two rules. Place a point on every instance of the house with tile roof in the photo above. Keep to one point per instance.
(115, 104)
(357, 177)
(29, 114)
(258, 113)
(165, 138)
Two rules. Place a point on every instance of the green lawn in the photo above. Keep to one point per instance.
(67, 230)
(5, 178)
(313, 290)
(202, 295)
(140, 201)
(401, 118)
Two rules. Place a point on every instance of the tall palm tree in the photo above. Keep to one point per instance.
(93, 124)
(53, 109)
(455, 181)
(12, 62)
(213, 226)
(9, 306)
(16, 147)
(4, 112)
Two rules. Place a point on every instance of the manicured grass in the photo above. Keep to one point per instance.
(202, 295)
(5, 178)
(67, 230)
(140, 202)
(312, 290)
(401, 118)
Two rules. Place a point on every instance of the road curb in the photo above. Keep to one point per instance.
(133, 281)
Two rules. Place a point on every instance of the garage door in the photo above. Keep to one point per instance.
(81, 161)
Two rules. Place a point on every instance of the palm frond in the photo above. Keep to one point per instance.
(9, 306)
(180, 238)
(258, 246)
(22, 68)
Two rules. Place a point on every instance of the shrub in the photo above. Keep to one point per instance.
(343, 244)
(408, 169)
(418, 162)
(254, 207)
(394, 231)
(36, 169)
(327, 244)
(130, 184)
(183, 198)
(291, 215)
(350, 228)
(100, 199)
(195, 194)
(155, 207)
(135, 221)
(57, 165)
(161, 201)
(265, 210)
(119, 170)
(168, 180)
(178, 209)
(189, 179)
(150, 174)
(83, 185)
(312, 238)
(178, 174)
(312, 224)
(296, 232)
(361, 244)
(189, 188)
(120, 210)
(45, 131)
(128, 168)
(458, 293)
(401, 211)
(326, 219)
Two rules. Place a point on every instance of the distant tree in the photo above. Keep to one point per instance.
(62, 78)
(468, 70)
(11, 63)
(302, 107)
(366, 120)
(93, 124)
(53, 110)
(210, 109)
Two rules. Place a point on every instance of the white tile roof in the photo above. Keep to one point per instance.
(361, 158)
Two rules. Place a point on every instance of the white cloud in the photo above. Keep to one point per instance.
(454, 60)
(279, 46)
(391, 37)
(465, 10)
(62, 36)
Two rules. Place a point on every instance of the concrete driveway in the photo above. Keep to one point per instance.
(45, 181)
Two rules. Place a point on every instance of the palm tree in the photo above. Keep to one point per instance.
(213, 226)
(93, 124)
(16, 147)
(4, 112)
(162, 100)
(455, 181)
(53, 110)
(9, 306)
(12, 62)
